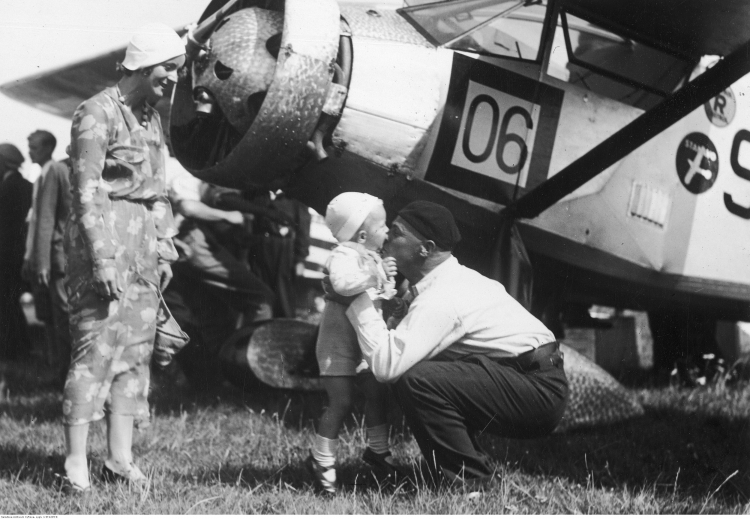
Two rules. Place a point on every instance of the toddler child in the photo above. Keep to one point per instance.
(357, 221)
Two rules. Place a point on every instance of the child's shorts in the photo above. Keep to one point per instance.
(337, 348)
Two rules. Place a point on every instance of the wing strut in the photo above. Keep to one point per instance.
(706, 86)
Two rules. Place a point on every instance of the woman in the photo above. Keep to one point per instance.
(119, 246)
(15, 200)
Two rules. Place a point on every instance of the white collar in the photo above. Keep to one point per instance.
(45, 168)
(424, 283)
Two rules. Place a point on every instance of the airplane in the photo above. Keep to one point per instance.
(580, 131)
(577, 142)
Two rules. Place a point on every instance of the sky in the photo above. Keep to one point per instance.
(41, 35)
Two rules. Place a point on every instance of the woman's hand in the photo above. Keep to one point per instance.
(107, 282)
(165, 275)
(42, 277)
(389, 266)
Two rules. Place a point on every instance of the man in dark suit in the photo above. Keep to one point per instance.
(15, 200)
(44, 263)
(278, 247)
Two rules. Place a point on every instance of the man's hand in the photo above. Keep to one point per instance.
(234, 217)
(182, 248)
(299, 269)
(389, 265)
(331, 295)
(42, 277)
(107, 283)
(165, 275)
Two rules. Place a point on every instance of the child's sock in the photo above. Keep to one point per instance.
(324, 450)
(377, 438)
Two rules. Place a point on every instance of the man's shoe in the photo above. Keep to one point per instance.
(384, 469)
(325, 477)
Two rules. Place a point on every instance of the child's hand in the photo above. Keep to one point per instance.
(389, 266)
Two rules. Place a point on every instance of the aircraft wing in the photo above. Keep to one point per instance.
(693, 28)
(690, 27)
(60, 91)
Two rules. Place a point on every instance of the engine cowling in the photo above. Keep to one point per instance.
(244, 114)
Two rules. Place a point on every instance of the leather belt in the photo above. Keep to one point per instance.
(538, 358)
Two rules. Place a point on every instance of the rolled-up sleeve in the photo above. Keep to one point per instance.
(425, 331)
(89, 139)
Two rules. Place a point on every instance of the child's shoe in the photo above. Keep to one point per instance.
(325, 477)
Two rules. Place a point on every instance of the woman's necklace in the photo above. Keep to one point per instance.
(146, 111)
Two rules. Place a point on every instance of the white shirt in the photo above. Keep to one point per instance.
(354, 269)
(181, 185)
(457, 311)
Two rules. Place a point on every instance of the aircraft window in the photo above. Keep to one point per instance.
(509, 28)
(619, 68)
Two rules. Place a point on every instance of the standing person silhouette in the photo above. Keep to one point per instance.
(357, 221)
(15, 200)
(44, 264)
(119, 247)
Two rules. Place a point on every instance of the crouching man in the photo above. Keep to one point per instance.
(467, 358)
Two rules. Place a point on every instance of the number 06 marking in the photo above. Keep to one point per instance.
(503, 139)
(506, 138)
(475, 150)
(481, 98)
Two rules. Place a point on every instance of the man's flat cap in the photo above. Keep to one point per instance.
(433, 221)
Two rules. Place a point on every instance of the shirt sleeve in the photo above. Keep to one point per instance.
(88, 142)
(181, 185)
(427, 329)
(347, 276)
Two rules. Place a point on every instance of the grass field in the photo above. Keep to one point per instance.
(225, 452)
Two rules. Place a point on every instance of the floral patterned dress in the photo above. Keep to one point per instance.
(120, 218)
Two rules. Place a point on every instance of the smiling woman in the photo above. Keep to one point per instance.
(119, 246)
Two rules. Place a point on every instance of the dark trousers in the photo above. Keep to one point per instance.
(14, 337)
(448, 403)
(213, 264)
(272, 259)
(61, 328)
(211, 289)
(51, 305)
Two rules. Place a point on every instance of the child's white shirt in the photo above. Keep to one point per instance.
(353, 269)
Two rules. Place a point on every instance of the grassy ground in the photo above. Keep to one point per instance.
(229, 453)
